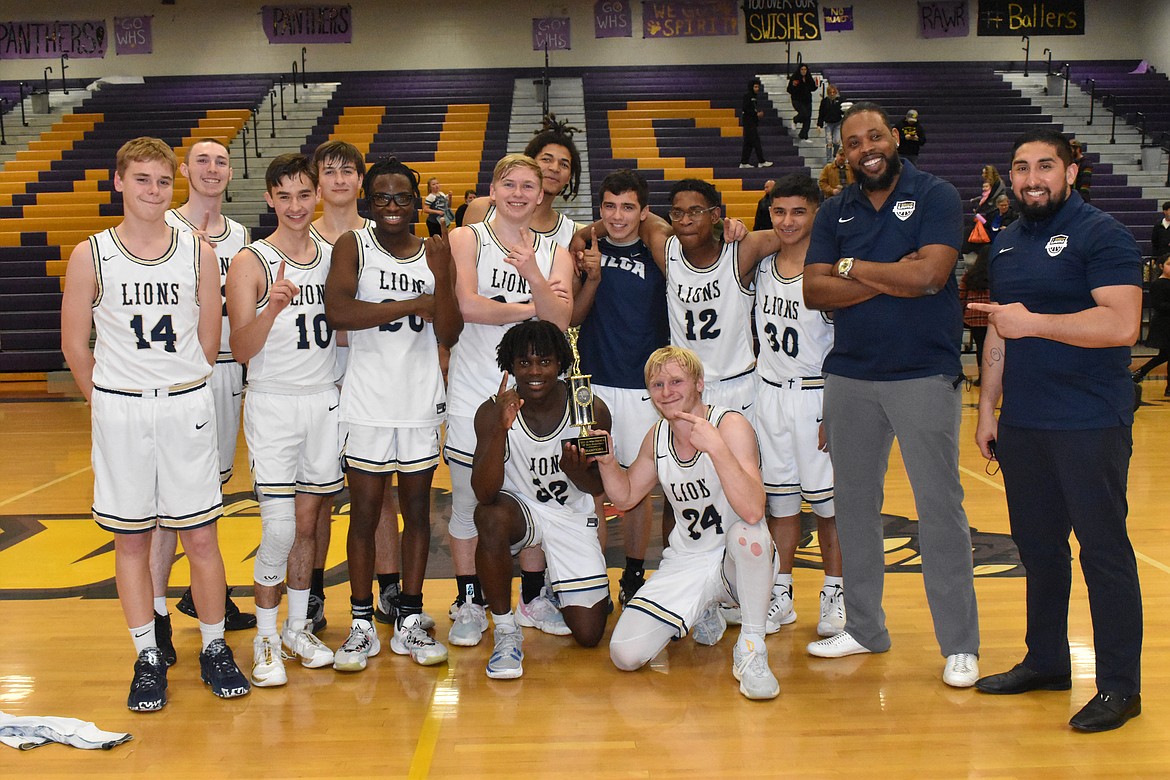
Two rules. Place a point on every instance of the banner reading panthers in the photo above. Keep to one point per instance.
(770, 21)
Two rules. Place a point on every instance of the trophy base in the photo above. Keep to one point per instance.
(593, 445)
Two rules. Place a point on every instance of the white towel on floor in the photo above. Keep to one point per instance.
(31, 731)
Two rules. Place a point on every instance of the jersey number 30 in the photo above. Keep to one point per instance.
(789, 340)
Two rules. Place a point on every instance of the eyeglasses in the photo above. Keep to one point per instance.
(694, 213)
(382, 199)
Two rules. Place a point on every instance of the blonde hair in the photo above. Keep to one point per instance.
(687, 360)
(511, 162)
(145, 149)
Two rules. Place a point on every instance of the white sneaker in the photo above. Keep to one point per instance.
(837, 646)
(361, 643)
(267, 666)
(410, 638)
(746, 165)
(766, 164)
(732, 615)
(710, 625)
(541, 613)
(303, 643)
(962, 670)
(780, 611)
(832, 611)
(750, 667)
(507, 660)
(470, 623)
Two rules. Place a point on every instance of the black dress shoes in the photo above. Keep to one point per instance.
(1107, 711)
(1021, 679)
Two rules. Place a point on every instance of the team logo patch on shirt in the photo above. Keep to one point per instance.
(903, 209)
(1056, 245)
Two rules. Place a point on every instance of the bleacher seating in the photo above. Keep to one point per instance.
(58, 191)
(680, 122)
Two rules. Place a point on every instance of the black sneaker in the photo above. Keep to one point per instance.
(233, 618)
(218, 669)
(316, 613)
(628, 586)
(148, 689)
(386, 610)
(162, 637)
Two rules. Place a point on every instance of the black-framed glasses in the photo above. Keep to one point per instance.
(382, 199)
(694, 213)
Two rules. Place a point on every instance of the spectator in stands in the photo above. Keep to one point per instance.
(836, 176)
(750, 116)
(801, 86)
(986, 203)
(1159, 335)
(1084, 171)
(1160, 238)
(911, 137)
(829, 116)
(763, 215)
(1004, 215)
(437, 207)
(468, 196)
(973, 288)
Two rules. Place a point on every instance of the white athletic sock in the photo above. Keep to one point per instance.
(756, 640)
(143, 637)
(298, 605)
(831, 581)
(505, 623)
(784, 579)
(210, 632)
(266, 621)
(160, 605)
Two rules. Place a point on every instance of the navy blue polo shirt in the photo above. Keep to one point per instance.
(628, 320)
(888, 338)
(1052, 267)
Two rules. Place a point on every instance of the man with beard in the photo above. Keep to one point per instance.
(1058, 354)
(882, 259)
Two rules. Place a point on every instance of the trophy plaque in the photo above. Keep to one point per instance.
(581, 404)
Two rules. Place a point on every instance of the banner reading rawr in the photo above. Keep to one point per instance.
(308, 23)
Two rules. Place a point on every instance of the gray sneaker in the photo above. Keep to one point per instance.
(470, 623)
(507, 661)
(709, 627)
(750, 667)
(361, 643)
(410, 638)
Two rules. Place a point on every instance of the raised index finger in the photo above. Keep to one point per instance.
(503, 384)
(988, 307)
(206, 222)
(280, 271)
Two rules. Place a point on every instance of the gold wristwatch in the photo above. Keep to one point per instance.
(844, 266)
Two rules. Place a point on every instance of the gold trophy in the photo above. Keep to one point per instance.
(581, 404)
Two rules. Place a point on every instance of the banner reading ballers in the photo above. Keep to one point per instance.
(49, 40)
(307, 23)
(689, 18)
(1050, 17)
(769, 21)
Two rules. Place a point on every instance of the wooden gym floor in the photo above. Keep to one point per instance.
(573, 715)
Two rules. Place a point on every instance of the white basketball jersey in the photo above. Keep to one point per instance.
(146, 313)
(227, 244)
(317, 234)
(393, 377)
(298, 356)
(473, 374)
(532, 467)
(701, 509)
(562, 231)
(710, 311)
(793, 338)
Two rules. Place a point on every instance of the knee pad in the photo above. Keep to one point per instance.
(462, 523)
(747, 541)
(278, 531)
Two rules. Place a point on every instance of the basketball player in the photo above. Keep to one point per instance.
(149, 291)
(340, 170)
(505, 273)
(535, 490)
(276, 303)
(706, 460)
(619, 300)
(794, 454)
(398, 302)
(208, 171)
